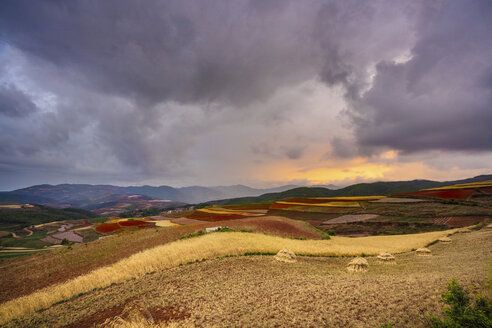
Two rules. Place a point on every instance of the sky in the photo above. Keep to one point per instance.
(255, 92)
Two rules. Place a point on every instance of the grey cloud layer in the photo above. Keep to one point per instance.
(442, 97)
(118, 86)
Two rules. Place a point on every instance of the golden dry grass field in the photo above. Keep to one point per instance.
(257, 291)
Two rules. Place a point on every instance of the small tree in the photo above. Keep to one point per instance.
(461, 311)
(65, 241)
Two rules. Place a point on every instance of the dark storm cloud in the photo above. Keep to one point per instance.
(442, 97)
(163, 50)
(14, 102)
(134, 87)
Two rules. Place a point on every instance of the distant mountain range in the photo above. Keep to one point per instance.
(94, 196)
(89, 196)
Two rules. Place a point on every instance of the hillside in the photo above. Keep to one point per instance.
(18, 218)
(361, 189)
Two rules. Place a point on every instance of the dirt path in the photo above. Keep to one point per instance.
(29, 232)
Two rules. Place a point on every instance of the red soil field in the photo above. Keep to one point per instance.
(131, 223)
(276, 206)
(203, 216)
(248, 207)
(445, 194)
(315, 201)
(108, 227)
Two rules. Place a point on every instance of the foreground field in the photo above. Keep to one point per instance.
(208, 246)
(258, 291)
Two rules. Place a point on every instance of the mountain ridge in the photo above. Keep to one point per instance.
(86, 195)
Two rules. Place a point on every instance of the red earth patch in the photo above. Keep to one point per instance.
(108, 227)
(445, 194)
(131, 223)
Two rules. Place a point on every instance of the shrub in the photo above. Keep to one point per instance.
(65, 241)
(478, 226)
(462, 310)
(388, 325)
(432, 243)
(224, 229)
(325, 236)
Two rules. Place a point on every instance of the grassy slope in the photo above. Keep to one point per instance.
(208, 246)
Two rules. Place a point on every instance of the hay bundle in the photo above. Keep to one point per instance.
(284, 255)
(358, 264)
(445, 240)
(386, 258)
(423, 252)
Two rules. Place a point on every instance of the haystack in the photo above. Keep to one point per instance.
(445, 240)
(358, 264)
(423, 252)
(284, 255)
(386, 258)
